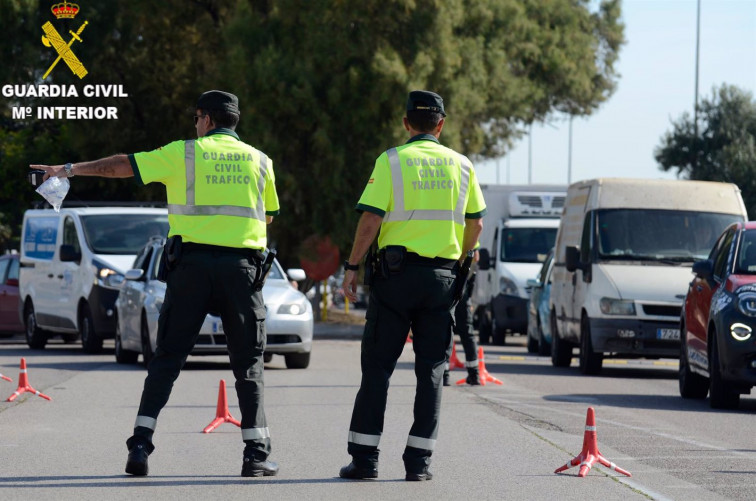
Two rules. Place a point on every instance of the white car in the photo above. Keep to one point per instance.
(289, 322)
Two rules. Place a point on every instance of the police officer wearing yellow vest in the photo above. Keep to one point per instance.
(425, 200)
(221, 195)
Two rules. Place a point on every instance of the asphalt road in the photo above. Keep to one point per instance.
(496, 442)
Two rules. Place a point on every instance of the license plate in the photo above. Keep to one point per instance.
(671, 334)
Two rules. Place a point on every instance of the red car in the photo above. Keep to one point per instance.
(10, 321)
(718, 343)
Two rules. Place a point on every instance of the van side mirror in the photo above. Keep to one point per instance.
(68, 253)
(572, 258)
(485, 259)
(296, 274)
(704, 269)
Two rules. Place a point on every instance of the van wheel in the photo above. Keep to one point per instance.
(590, 361)
(498, 334)
(36, 338)
(90, 341)
(532, 344)
(561, 351)
(692, 385)
(720, 395)
(144, 332)
(123, 356)
(544, 347)
(297, 360)
(484, 329)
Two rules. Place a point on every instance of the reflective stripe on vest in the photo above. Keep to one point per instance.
(191, 209)
(397, 183)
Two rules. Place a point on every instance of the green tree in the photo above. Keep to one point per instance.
(323, 83)
(724, 148)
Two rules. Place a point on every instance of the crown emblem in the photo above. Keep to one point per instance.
(65, 10)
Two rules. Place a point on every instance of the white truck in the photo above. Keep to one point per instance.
(519, 229)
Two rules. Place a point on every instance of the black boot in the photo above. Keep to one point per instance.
(253, 468)
(473, 377)
(136, 464)
(446, 378)
(354, 472)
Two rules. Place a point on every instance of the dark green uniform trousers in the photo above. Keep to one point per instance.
(216, 279)
(418, 298)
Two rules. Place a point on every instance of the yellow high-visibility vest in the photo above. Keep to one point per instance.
(219, 189)
(424, 191)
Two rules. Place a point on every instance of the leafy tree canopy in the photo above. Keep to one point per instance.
(322, 85)
(724, 147)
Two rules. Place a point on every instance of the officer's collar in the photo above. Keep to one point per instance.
(222, 130)
(423, 137)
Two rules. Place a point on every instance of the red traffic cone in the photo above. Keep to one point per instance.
(483, 374)
(24, 386)
(590, 453)
(5, 377)
(454, 362)
(221, 413)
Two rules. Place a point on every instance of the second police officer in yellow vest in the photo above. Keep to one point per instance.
(424, 202)
(221, 196)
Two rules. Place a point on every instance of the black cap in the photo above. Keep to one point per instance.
(425, 100)
(218, 100)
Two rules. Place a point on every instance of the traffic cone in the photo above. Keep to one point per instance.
(483, 374)
(221, 413)
(24, 386)
(5, 377)
(590, 453)
(454, 362)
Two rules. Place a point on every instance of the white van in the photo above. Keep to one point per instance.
(622, 265)
(519, 230)
(66, 258)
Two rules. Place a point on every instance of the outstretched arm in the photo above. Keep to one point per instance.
(113, 166)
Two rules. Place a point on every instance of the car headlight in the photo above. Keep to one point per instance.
(292, 309)
(747, 304)
(507, 287)
(102, 272)
(739, 331)
(610, 306)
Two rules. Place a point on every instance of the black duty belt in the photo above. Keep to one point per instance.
(436, 262)
(254, 253)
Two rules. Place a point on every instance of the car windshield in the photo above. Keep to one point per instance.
(658, 235)
(122, 233)
(746, 262)
(526, 245)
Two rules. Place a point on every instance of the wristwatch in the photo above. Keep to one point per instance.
(69, 169)
(351, 267)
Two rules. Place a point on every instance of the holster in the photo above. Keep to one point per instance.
(392, 259)
(470, 284)
(372, 267)
(170, 257)
(460, 282)
(263, 269)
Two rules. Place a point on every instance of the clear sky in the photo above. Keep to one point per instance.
(656, 85)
